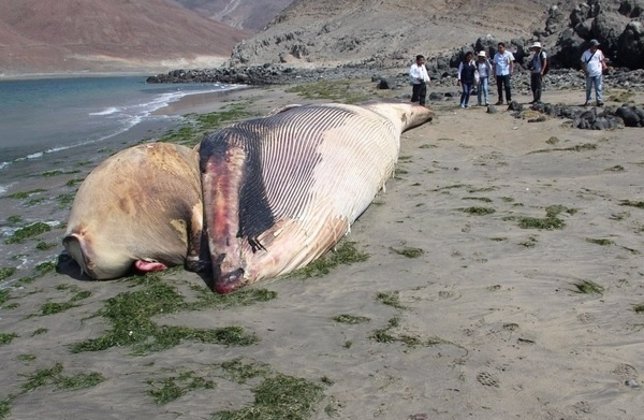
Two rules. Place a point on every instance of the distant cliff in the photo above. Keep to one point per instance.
(117, 35)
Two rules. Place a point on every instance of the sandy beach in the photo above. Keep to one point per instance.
(500, 275)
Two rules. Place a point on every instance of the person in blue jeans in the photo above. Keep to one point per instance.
(484, 68)
(466, 70)
(593, 62)
(503, 63)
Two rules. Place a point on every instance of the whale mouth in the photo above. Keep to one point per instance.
(229, 282)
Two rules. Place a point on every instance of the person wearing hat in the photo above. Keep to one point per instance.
(593, 63)
(537, 66)
(484, 68)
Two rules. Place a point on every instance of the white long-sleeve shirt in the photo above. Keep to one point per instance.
(418, 74)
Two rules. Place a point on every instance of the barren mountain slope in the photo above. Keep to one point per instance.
(251, 16)
(119, 34)
(352, 31)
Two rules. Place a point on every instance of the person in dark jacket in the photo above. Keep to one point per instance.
(466, 76)
(537, 66)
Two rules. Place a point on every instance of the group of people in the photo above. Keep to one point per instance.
(477, 72)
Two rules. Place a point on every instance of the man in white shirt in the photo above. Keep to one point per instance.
(592, 62)
(503, 63)
(418, 77)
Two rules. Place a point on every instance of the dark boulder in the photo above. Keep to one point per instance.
(631, 116)
(630, 51)
(631, 8)
(384, 84)
(592, 120)
(607, 28)
(570, 48)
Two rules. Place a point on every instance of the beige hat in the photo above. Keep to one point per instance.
(535, 45)
(481, 54)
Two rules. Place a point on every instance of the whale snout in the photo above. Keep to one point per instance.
(229, 282)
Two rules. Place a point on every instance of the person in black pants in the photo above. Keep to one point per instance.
(418, 77)
(537, 66)
(466, 71)
(503, 62)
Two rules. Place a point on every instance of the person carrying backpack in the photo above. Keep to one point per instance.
(538, 66)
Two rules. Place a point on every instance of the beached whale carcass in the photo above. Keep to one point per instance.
(280, 191)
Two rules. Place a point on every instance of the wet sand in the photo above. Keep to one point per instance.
(504, 278)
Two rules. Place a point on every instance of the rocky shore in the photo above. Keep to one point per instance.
(443, 87)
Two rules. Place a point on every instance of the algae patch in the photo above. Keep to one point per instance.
(130, 315)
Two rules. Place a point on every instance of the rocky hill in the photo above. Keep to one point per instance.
(355, 31)
(382, 34)
(252, 16)
(115, 35)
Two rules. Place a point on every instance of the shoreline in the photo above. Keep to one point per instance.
(68, 75)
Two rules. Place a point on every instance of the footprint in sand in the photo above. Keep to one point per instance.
(487, 379)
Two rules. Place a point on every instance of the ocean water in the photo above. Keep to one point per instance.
(42, 117)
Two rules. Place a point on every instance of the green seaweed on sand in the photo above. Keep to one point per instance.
(21, 195)
(589, 287)
(65, 200)
(279, 397)
(169, 389)
(197, 125)
(478, 211)
(130, 315)
(73, 182)
(44, 246)
(51, 308)
(600, 241)
(386, 335)
(344, 253)
(350, 319)
(240, 371)
(45, 267)
(4, 296)
(6, 272)
(483, 199)
(332, 90)
(207, 299)
(639, 308)
(14, 219)
(409, 252)
(39, 331)
(233, 112)
(7, 338)
(54, 376)
(28, 231)
(26, 357)
(5, 407)
(390, 299)
(636, 204)
(550, 222)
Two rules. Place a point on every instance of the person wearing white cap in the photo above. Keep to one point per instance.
(537, 66)
(484, 68)
(593, 63)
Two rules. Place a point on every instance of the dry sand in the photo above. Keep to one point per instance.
(489, 321)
